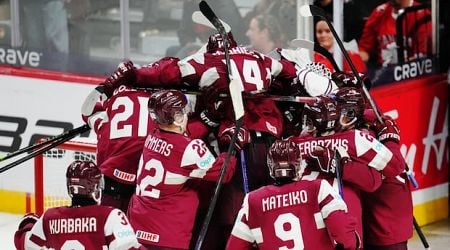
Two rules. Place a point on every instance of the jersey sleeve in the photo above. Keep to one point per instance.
(361, 176)
(241, 236)
(36, 238)
(165, 72)
(341, 226)
(383, 157)
(119, 231)
(93, 111)
(202, 164)
(21, 235)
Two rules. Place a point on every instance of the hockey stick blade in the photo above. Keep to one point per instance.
(198, 17)
(312, 10)
(236, 89)
(211, 16)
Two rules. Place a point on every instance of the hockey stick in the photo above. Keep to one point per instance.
(236, 97)
(55, 143)
(302, 43)
(337, 159)
(244, 172)
(251, 95)
(311, 10)
(321, 50)
(224, 28)
(420, 234)
(78, 130)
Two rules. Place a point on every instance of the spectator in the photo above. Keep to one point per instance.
(190, 33)
(265, 34)
(287, 17)
(79, 40)
(45, 25)
(5, 30)
(326, 40)
(378, 40)
(356, 13)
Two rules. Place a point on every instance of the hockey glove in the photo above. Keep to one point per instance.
(226, 133)
(322, 160)
(123, 75)
(348, 79)
(387, 131)
(215, 102)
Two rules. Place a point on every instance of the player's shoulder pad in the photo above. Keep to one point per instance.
(196, 153)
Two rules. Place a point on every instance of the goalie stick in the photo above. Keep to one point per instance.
(49, 145)
(236, 98)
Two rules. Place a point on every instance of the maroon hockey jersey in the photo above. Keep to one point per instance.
(87, 227)
(388, 212)
(252, 69)
(299, 215)
(121, 129)
(165, 204)
(362, 148)
(369, 157)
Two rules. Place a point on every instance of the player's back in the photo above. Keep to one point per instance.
(290, 216)
(254, 71)
(249, 67)
(122, 135)
(75, 227)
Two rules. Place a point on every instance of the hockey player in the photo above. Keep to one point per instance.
(293, 213)
(363, 157)
(208, 72)
(387, 211)
(84, 224)
(121, 121)
(164, 206)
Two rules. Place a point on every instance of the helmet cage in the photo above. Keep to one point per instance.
(322, 116)
(84, 180)
(168, 106)
(351, 103)
(284, 160)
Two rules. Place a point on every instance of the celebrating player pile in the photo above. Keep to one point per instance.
(330, 183)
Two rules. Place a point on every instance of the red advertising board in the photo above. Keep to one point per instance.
(420, 107)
